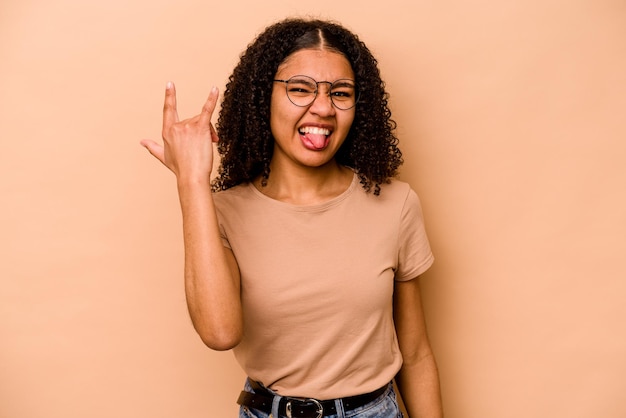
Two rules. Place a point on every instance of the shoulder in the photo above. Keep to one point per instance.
(233, 196)
(395, 198)
(401, 196)
(396, 191)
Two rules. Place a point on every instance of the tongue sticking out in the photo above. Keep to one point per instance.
(318, 141)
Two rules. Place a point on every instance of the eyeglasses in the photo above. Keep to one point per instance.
(302, 91)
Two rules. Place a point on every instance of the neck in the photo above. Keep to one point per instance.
(306, 185)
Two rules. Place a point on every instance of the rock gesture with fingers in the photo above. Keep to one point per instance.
(187, 148)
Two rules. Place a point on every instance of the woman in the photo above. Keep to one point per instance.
(305, 254)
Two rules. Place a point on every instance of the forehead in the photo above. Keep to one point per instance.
(321, 64)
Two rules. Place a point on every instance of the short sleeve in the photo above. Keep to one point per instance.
(221, 221)
(224, 237)
(414, 252)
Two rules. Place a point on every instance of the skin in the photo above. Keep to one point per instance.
(299, 175)
(418, 379)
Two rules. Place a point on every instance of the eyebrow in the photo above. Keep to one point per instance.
(343, 82)
(301, 79)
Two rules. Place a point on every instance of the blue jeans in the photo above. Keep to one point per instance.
(385, 406)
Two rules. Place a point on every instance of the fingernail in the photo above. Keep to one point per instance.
(168, 85)
(214, 89)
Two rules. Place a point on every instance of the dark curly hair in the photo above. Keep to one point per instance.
(246, 142)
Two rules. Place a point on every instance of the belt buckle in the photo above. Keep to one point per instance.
(318, 405)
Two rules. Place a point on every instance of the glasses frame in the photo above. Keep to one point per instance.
(357, 93)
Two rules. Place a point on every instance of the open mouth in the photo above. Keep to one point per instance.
(314, 137)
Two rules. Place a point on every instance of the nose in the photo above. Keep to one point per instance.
(323, 104)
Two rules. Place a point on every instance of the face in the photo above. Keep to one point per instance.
(309, 136)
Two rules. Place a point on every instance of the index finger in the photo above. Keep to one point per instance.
(170, 113)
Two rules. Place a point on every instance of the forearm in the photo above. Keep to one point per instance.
(211, 275)
(418, 383)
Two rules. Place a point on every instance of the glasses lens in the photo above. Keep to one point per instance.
(343, 94)
(301, 90)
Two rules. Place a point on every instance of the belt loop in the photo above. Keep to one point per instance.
(339, 408)
(275, 404)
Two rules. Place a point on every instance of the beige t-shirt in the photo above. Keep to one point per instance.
(317, 284)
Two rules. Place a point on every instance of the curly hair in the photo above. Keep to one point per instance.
(246, 143)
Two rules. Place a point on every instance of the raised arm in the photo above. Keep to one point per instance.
(212, 283)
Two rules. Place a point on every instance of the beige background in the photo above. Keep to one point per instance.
(511, 116)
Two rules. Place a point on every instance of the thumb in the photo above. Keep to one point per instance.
(153, 148)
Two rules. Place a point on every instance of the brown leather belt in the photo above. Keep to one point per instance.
(262, 400)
